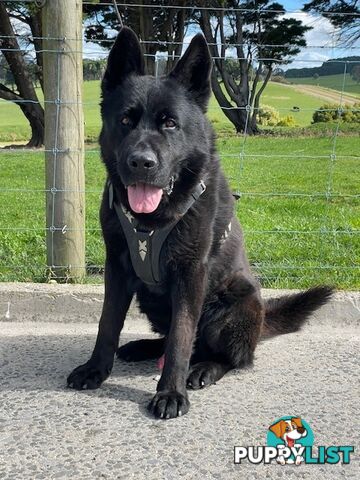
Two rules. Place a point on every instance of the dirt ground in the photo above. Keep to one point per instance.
(326, 94)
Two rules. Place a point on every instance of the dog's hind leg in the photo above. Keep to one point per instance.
(206, 373)
(228, 333)
(139, 350)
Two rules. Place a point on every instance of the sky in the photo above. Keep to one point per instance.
(292, 4)
(322, 41)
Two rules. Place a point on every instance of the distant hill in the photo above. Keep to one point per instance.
(330, 67)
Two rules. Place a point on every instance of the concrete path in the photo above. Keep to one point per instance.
(50, 432)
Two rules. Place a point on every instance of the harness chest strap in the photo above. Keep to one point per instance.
(145, 245)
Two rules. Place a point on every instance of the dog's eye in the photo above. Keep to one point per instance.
(125, 120)
(168, 122)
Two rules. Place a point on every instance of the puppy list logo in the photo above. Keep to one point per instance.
(290, 441)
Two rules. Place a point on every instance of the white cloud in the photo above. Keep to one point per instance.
(322, 32)
(322, 41)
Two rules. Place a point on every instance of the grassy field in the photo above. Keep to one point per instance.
(295, 235)
(331, 81)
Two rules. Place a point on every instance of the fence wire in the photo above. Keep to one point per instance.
(292, 254)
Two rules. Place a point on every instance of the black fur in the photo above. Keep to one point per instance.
(208, 309)
(287, 314)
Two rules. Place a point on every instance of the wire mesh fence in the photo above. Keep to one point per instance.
(298, 185)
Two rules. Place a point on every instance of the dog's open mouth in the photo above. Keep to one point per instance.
(145, 198)
(290, 441)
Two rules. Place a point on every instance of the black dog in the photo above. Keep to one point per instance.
(171, 235)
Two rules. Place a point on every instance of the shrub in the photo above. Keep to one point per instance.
(326, 113)
(280, 79)
(348, 116)
(268, 116)
(351, 113)
(330, 112)
(288, 121)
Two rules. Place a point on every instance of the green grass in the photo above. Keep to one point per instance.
(14, 126)
(290, 239)
(334, 82)
(284, 99)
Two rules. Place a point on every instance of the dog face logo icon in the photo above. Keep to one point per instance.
(289, 430)
(290, 435)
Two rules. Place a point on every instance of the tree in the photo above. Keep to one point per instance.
(159, 29)
(93, 69)
(344, 15)
(355, 73)
(23, 93)
(262, 39)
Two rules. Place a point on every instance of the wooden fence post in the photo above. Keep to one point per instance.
(64, 139)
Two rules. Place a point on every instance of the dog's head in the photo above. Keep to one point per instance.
(155, 137)
(289, 430)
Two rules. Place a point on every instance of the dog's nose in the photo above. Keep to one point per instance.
(143, 161)
(301, 429)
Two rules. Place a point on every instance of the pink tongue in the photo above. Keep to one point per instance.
(144, 198)
(161, 362)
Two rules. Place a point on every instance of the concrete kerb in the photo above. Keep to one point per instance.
(24, 302)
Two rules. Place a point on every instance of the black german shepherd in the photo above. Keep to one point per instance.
(171, 236)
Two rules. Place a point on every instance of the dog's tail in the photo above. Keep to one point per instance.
(287, 314)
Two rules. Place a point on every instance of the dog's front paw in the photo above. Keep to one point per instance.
(88, 376)
(169, 404)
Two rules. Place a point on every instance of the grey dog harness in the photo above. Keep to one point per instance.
(144, 244)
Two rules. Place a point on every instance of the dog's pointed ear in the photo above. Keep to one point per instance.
(278, 428)
(193, 70)
(297, 421)
(125, 58)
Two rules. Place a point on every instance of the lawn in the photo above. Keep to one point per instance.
(284, 99)
(334, 82)
(295, 236)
